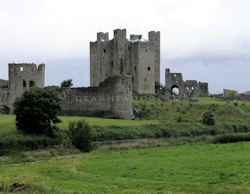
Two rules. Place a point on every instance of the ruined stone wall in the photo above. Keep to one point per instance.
(112, 97)
(189, 88)
(21, 77)
(4, 83)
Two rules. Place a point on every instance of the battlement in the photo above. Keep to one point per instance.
(102, 36)
(135, 37)
(118, 33)
(154, 36)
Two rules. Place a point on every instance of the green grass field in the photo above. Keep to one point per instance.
(155, 112)
(219, 168)
(7, 122)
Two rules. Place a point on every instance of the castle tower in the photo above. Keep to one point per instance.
(23, 76)
(119, 62)
(136, 57)
(155, 37)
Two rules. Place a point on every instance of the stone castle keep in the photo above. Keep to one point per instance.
(117, 68)
(136, 57)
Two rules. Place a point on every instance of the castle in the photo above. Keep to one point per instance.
(117, 68)
(112, 97)
(137, 57)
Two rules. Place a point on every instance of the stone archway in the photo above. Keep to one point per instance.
(4, 109)
(175, 90)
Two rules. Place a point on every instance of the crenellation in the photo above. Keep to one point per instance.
(101, 36)
(135, 37)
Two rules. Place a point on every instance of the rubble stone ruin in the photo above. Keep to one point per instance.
(21, 77)
(190, 88)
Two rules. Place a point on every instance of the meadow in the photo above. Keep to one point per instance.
(185, 155)
(217, 168)
(7, 122)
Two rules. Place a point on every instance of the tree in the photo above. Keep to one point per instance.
(232, 93)
(208, 118)
(81, 135)
(67, 83)
(36, 109)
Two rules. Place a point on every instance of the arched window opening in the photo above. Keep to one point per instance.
(4, 110)
(149, 68)
(111, 64)
(175, 90)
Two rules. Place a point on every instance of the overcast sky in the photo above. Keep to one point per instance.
(205, 40)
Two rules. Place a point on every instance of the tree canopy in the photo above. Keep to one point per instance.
(36, 110)
(232, 93)
(67, 83)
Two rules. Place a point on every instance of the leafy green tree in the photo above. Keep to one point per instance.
(81, 135)
(208, 118)
(67, 83)
(232, 93)
(36, 110)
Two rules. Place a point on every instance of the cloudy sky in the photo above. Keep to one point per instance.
(205, 40)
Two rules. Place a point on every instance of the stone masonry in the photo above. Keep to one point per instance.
(189, 88)
(112, 97)
(21, 77)
(137, 57)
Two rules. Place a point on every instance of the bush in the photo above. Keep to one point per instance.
(67, 83)
(208, 118)
(20, 141)
(36, 109)
(81, 135)
(179, 117)
(112, 117)
(230, 138)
